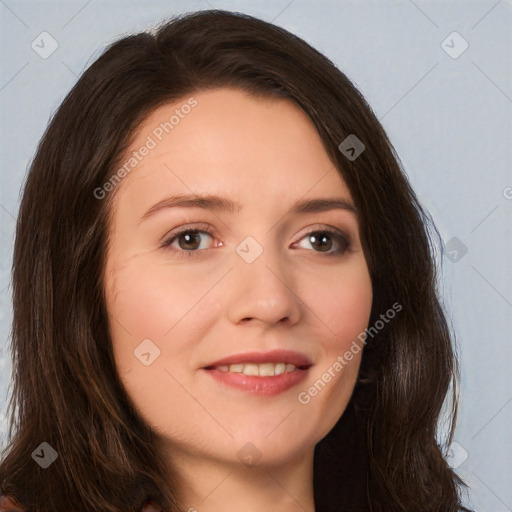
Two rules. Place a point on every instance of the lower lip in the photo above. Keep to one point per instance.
(268, 386)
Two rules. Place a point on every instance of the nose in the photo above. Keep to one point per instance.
(263, 293)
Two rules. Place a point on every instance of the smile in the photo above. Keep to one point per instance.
(267, 373)
(261, 370)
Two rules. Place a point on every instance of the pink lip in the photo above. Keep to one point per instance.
(273, 356)
(267, 386)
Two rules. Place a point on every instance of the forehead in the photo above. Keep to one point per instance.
(226, 141)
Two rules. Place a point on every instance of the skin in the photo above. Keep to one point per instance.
(266, 155)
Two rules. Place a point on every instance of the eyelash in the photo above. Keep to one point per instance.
(334, 234)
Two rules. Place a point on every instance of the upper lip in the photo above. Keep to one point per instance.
(274, 356)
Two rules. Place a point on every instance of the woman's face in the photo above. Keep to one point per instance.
(231, 337)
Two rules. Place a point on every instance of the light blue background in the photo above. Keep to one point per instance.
(449, 119)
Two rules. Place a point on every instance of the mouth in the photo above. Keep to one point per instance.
(267, 373)
(258, 370)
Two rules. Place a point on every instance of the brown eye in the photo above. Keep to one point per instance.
(320, 241)
(332, 243)
(189, 240)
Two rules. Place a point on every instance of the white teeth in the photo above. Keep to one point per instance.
(261, 370)
(250, 369)
(266, 370)
(280, 368)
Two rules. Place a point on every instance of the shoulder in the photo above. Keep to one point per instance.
(9, 503)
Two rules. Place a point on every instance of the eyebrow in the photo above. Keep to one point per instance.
(218, 203)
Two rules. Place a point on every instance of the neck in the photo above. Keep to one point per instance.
(209, 485)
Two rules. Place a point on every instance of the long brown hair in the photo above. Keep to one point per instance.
(383, 454)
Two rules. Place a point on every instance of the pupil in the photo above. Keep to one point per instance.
(324, 242)
(190, 239)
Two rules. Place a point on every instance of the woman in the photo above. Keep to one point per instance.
(224, 290)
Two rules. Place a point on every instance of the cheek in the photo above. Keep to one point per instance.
(152, 299)
(149, 300)
(142, 305)
(341, 303)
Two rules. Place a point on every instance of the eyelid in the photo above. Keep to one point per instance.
(323, 227)
(201, 227)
